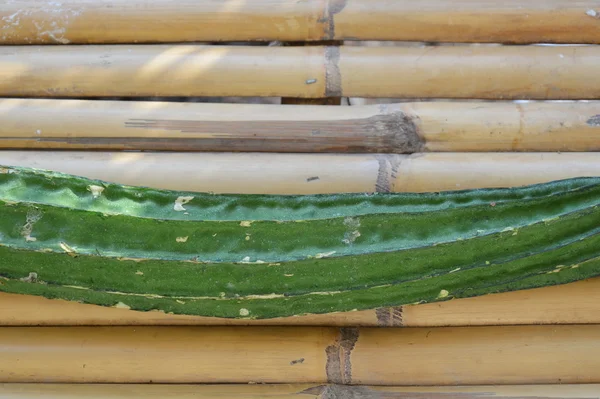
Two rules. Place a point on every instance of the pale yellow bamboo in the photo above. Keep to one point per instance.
(122, 21)
(574, 303)
(313, 173)
(28, 310)
(293, 391)
(161, 70)
(486, 72)
(396, 128)
(365, 356)
(506, 126)
(455, 171)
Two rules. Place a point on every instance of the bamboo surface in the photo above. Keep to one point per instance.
(395, 128)
(574, 303)
(293, 391)
(127, 21)
(365, 356)
(261, 173)
(484, 72)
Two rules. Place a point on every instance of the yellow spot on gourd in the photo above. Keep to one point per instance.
(96, 190)
(324, 255)
(245, 223)
(443, 294)
(31, 278)
(139, 273)
(244, 312)
(180, 202)
(121, 305)
(181, 239)
(351, 237)
(33, 215)
(248, 237)
(65, 247)
(288, 275)
(181, 302)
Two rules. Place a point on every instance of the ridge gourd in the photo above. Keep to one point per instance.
(266, 256)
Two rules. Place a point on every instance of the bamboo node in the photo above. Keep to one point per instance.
(339, 367)
(594, 121)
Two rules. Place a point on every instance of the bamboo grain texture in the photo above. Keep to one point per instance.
(262, 173)
(394, 128)
(136, 21)
(356, 356)
(423, 72)
(574, 303)
(293, 391)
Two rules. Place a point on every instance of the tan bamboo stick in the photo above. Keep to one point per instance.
(293, 391)
(365, 356)
(394, 128)
(122, 21)
(486, 72)
(575, 303)
(313, 173)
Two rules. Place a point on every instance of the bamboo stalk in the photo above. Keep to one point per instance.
(294, 391)
(395, 128)
(485, 72)
(110, 21)
(574, 303)
(365, 356)
(255, 173)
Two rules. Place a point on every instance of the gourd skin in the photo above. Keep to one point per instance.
(265, 256)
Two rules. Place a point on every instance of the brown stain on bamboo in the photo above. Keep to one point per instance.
(516, 143)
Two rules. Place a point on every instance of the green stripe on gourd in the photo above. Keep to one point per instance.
(352, 251)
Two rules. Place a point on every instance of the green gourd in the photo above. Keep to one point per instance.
(266, 256)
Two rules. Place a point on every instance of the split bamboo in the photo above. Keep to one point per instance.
(260, 173)
(394, 128)
(459, 72)
(574, 303)
(359, 356)
(293, 391)
(133, 21)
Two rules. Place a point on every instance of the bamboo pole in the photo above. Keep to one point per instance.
(365, 356)
(395, 128)
(122, 21)
(574, 303)
(255, 173)
(293, 391)
(485, 72)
